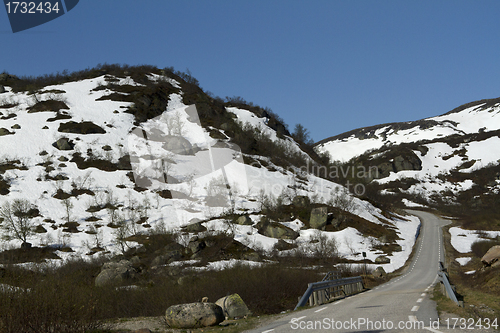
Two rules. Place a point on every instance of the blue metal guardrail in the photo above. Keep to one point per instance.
(349, 285)
(449, 289)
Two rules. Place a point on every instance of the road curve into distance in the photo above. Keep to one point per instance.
(401, 305)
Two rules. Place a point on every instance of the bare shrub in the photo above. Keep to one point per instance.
(17, 219)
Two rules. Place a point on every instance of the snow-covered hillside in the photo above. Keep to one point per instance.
(450, 148)
(482, 117)
(89, 167)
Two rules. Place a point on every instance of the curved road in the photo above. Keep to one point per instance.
(400, 305)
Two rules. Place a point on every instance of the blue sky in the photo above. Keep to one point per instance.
(330, 65)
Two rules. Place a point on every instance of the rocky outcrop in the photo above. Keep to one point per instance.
(233, 306)
(115, 273)
(491, 258)
(318, 219)
(405, 161)
(85, 127)
(194, 315)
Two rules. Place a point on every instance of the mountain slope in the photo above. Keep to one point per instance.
(448, 159)
(109, 154)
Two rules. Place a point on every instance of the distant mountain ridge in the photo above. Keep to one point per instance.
(448, 159)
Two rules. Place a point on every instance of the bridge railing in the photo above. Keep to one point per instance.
(318, 293)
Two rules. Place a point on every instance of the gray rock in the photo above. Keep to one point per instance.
(301, 201)
(166, 258)
(251, 256)
(244, 220)
(2, 89)
(233, 306)
(194, 315)
(178, 145)
(282, 245)
(492, 255)
(64, 144)
(195, 227)
(318, 218)
(196, 246)
(382, 260)
(379, 272)
(115, 273)
(276, 230)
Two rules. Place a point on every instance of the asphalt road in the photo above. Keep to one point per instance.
(401, 305)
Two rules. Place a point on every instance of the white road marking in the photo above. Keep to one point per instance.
(267, 331)
(412, 318)
(319, 310)
(295, 319)
(423, 294)
(420, 300)
(415, 308)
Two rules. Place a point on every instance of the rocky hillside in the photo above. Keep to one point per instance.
(449, 160)
(106, 157)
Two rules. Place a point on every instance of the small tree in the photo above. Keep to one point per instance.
(301, 134)
(17, 219)
(68, 206)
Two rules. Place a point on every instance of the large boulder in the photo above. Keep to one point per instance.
(2, 89)
(233, 306)
(382, 260)
(244, 220)
(301, 201)
(491, 258)
(276, 230)
(166, 258)
(194, 315)
(379, 272)
(115, 273)
(318, 218)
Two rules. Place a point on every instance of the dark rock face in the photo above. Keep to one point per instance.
(4, 131)
(194, 315)
(64, 144)
(85, 127)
